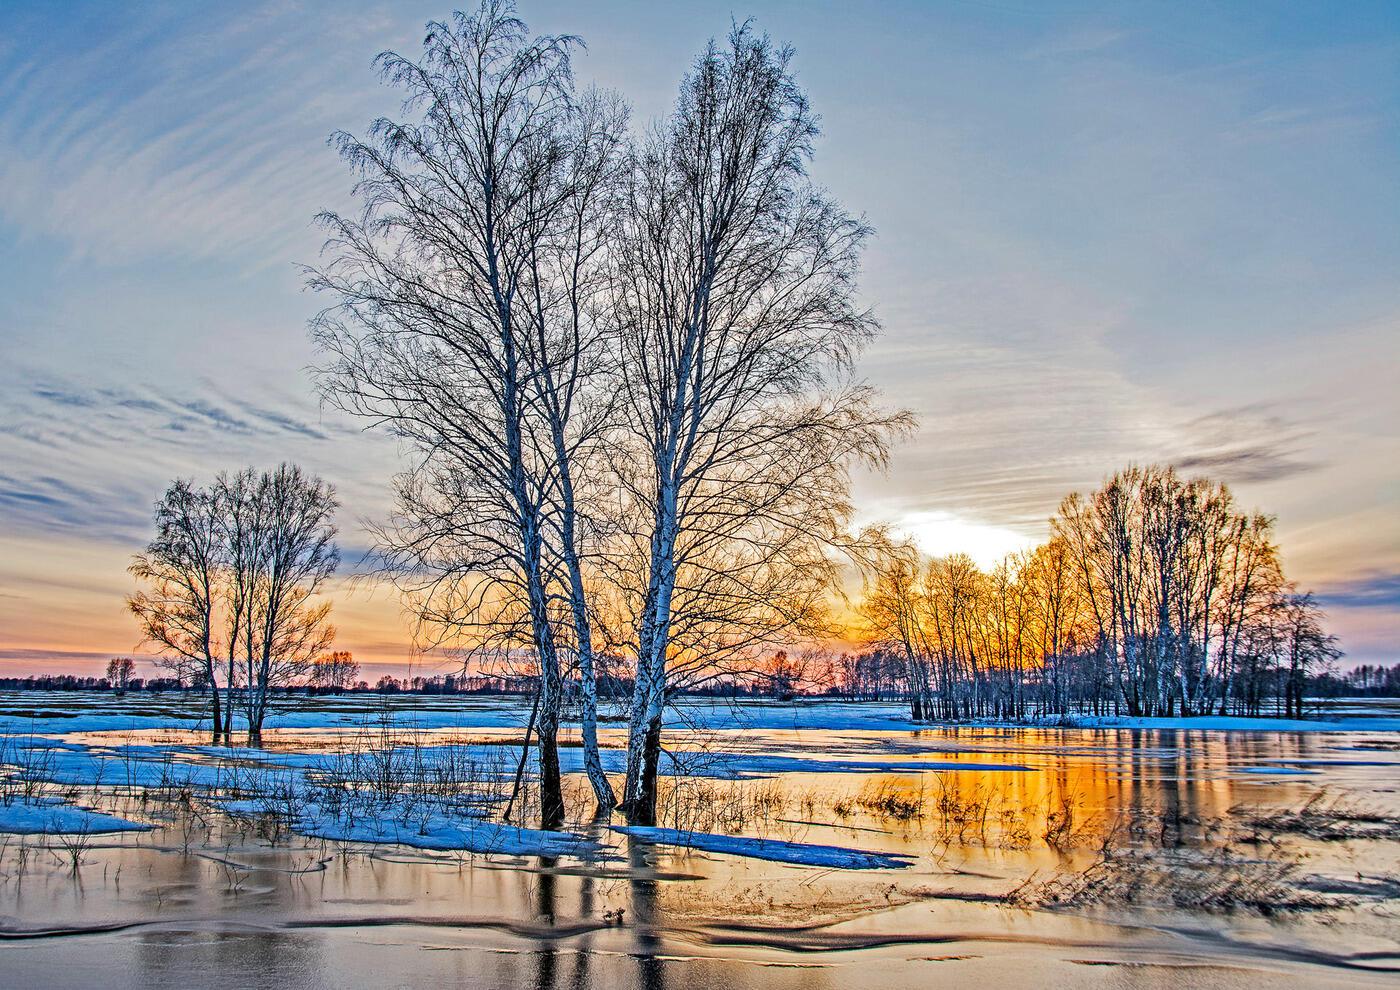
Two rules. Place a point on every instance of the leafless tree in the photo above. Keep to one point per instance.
(465, 322)
(335, 671)
(292, 553)
(1304, 645)
(181, 568)
(894, 608)
(119, 671)
(232, 577)
(1058, 615)
(734, 296)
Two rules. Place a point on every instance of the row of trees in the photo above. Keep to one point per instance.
(230, 585)
(1369, 679)
(78, 682)
(1154, 595)
(622, 363)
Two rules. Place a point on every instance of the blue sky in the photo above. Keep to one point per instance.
(1106, 232)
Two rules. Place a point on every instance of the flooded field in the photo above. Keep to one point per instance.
(800, 846)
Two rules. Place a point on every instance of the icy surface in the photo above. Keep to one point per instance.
(66, 712)
(1225, 723)
(779, 851)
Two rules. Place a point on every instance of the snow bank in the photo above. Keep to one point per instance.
(396, 824)
(48, 818)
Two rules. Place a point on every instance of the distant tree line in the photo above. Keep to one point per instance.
(1365, 681)
(75, 682)
(871, 675)
(1154, 596)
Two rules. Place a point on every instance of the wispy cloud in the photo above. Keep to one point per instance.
(1133, 235)
(1374, 591)
(198, 132)
(1249, 443)
(90, 459)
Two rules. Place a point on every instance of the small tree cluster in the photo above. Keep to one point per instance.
(119, 673)
(334, 671)
(1154, 595)
(230, 586)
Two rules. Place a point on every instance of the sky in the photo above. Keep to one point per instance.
(1106, 233)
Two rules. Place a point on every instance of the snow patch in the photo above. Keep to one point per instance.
(48, 818)
(776, 850)
(399, 826)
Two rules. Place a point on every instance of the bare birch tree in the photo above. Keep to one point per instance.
(291, 546)
(465, 323)
(232, 578)
(734, 293)
(182, 567)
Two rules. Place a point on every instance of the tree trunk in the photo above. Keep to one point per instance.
(218, 721)
(640, 805)
(592, 756)
(588, 684)
(547, 727)
(649, 691)
(551, 692)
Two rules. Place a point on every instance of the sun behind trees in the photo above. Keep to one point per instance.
(231, 580)
(623, 365)
(1154, 595)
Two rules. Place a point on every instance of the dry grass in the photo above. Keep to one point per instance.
(1243, 861)
(26, 766)
(1220, 880)
(1320, 818)
(892, 798)
(699, 804)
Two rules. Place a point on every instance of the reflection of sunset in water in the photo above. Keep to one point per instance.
(980, 812)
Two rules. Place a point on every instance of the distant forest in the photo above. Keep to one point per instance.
(855, 679)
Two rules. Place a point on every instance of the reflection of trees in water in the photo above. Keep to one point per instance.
(587, 909)
(650, 974)
(1175, 777)
(549, 975)
(1082, 787)
(239, 957)
(546, 956)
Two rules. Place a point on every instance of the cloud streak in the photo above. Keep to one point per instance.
(1250, 443)
(1375, 591)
